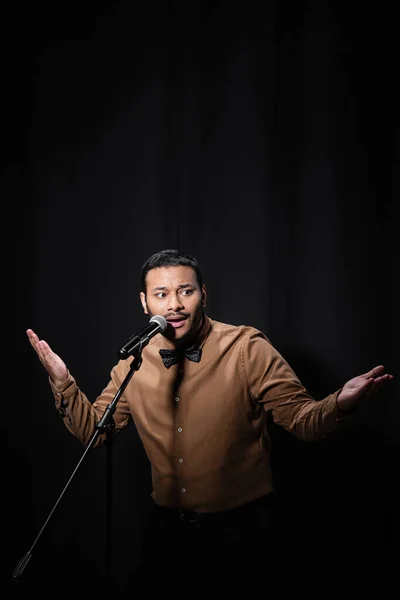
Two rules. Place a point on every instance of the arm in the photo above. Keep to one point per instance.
(79, 415)
(273, 384)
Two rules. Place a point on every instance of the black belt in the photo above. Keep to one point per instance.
(189, 516)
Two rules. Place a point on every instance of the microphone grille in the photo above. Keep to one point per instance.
(161, 321)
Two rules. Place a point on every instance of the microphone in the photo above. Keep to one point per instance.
(139, 340)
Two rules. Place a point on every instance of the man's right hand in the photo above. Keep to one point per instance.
(53, 364)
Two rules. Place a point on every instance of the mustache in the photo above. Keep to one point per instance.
(181, 315)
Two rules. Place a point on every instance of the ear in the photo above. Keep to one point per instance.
(143, 301)
(204, 295)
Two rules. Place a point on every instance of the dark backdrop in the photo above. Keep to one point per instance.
(263, 139)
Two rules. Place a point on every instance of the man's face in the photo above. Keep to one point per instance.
(174, 293)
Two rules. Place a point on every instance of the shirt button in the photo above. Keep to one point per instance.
(181, 460)
(180, 371)
(176, 399)
(183, 489)
(179, 429)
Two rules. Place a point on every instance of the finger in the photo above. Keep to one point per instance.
(383, 379)
(33, 338)
(375, 372)
(35, 343)
(45, 353)
(378, 382)
(41, 347)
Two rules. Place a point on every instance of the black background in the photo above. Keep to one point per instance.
(261, 138)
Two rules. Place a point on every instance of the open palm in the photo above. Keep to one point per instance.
(53, 364)
(362, 385)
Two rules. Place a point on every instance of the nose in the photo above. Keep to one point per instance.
(175, 303)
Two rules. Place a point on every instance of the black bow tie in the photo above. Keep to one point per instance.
(171, 357)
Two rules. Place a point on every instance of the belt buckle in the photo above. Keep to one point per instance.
(184, 516)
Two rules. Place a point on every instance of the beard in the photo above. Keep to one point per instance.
(193, 324)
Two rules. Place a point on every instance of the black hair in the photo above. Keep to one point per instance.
(170, 258)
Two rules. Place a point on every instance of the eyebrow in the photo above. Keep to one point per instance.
(181, 285)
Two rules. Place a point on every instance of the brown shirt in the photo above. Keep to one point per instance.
(203, 424)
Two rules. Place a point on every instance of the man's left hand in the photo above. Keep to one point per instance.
(361, 386)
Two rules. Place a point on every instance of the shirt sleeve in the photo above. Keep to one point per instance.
(273, 383)
(80, 416)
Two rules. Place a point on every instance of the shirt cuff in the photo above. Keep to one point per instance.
(63, 392)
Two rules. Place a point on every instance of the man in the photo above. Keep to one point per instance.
(201, 416)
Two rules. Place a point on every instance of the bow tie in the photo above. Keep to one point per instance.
(171, 357)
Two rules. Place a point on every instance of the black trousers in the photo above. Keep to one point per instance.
(207, 555)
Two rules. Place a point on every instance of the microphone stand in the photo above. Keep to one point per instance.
(105, 425)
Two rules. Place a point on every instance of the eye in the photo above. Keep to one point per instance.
(160, 295)
(187, 292)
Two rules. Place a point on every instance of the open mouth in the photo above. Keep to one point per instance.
(176, 322)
